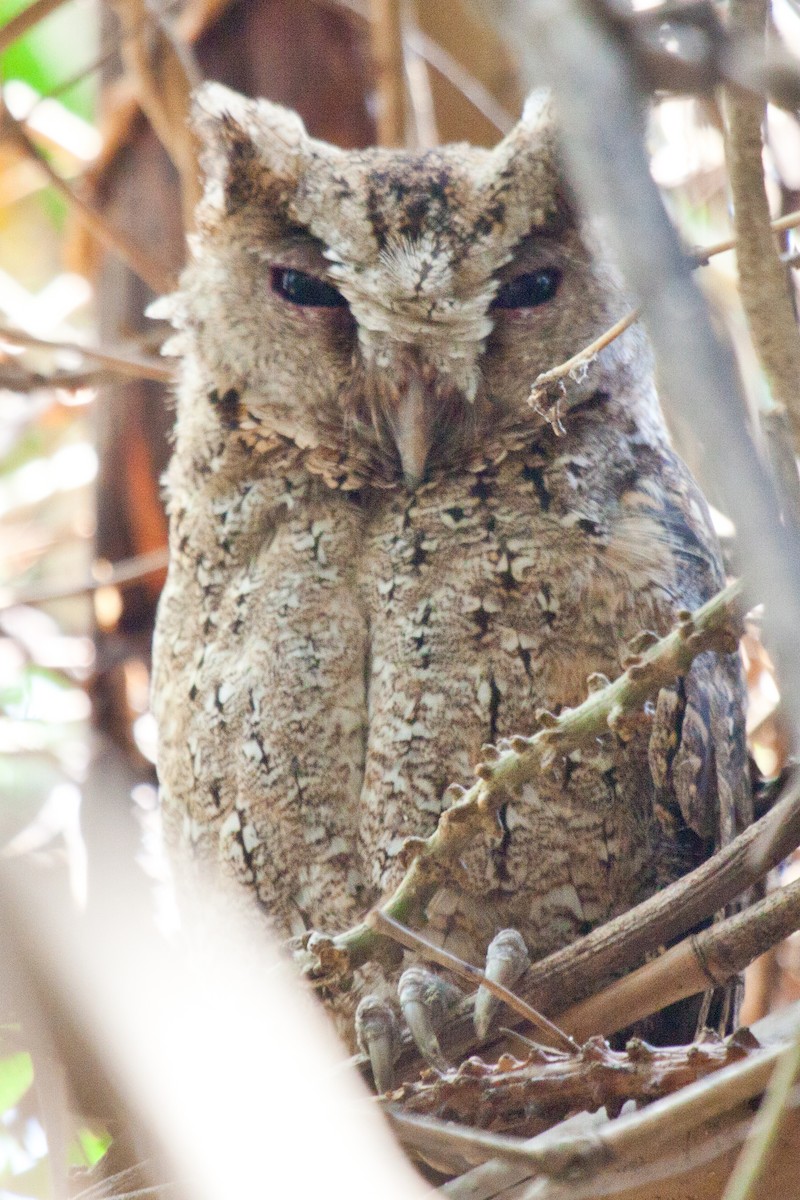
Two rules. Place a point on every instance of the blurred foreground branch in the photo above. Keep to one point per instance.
(163, 75)
(112, 239)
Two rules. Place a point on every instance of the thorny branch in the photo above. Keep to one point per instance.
(597, 94)
(524, 1095)
(704, 959)
(510, 765)
(635, 1138)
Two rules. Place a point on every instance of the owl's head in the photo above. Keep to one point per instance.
(386, 311)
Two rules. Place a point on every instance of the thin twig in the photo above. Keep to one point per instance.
(414, 941)
(386, 29)
(582, 358)
(700, 256)
(163, 75)
(25, 20)
(15, 378)
(120, 361)
(435, 55)
(140, 263)
(122, 574)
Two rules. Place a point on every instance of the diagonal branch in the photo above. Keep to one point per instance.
(120, 361)
(25, 20)
(510, 765)
(140, 263)
(163, 74)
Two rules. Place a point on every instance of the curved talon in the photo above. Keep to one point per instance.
(426, 999)
(378, 1037)
(506, 960)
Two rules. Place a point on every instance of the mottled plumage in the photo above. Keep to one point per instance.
(382, 556)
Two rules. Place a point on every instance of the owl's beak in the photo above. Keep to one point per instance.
(412, 429)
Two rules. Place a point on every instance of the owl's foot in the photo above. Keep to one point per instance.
(378, 1037)
(426, 1001)
(506, 961)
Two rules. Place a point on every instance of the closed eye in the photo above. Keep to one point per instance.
(306, 290)
(528, 290)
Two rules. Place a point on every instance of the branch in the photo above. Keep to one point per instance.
(163, 75)
(511, 764)
(578, 362)
(765, 1128)
(121, 574)
(115, 241)
(513, 1095)
(706, 959)
(763, 282)
(633, 1139)
(25, 20)
(386, 30)
(119, 361)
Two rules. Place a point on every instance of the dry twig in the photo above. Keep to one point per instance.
(386, 30)
(121, 574)
(119, 361)
(699, 256)
(115, 241)
(163, 75)
(443, 958)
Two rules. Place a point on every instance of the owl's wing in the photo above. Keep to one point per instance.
(698, 754)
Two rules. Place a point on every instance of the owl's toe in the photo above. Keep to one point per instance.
(426, 1000)
(378, 1037)
(506, 961)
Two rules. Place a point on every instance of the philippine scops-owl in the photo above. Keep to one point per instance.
(382, 556)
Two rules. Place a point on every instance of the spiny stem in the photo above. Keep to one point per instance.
(520, 760)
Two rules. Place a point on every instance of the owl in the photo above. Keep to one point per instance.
(383, 556)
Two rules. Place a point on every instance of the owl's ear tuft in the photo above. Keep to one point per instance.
(537, 115)
(251, 148)
(527, 161)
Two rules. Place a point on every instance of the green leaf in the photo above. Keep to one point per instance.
(16, 1076)
(89, 1147)
(53, 50)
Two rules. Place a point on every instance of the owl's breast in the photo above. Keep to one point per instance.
(490, 596)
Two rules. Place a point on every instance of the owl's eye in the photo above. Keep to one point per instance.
(306, 290)
(529, 290)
